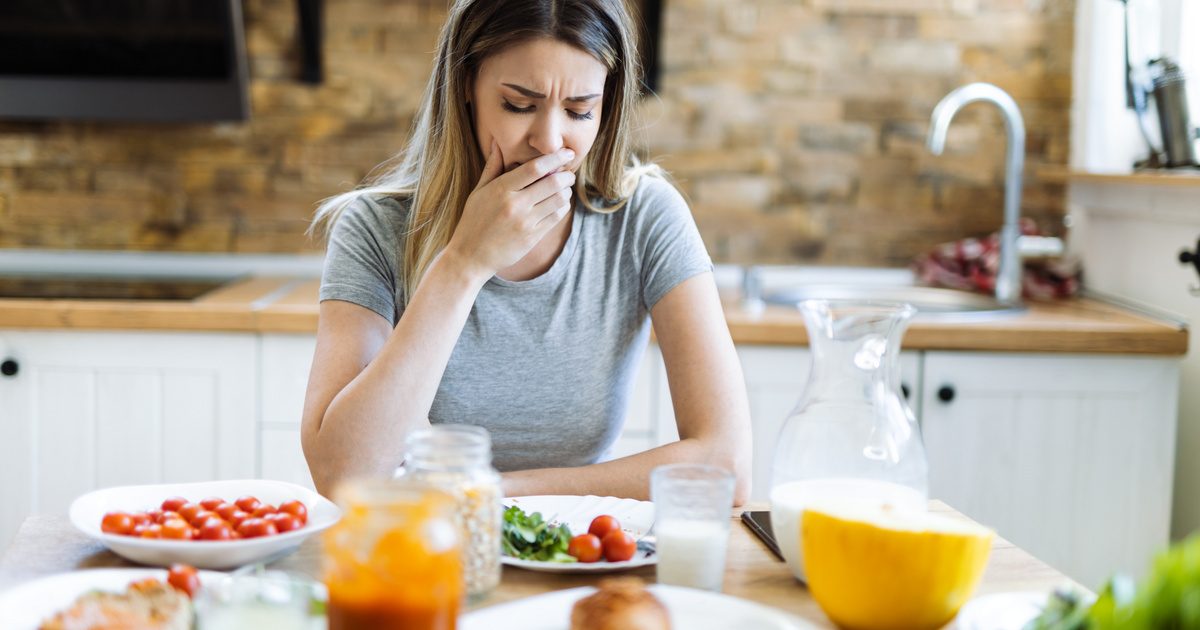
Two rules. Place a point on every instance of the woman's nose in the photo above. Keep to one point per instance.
(546, 134)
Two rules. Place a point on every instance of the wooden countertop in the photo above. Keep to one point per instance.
(49, 544)
(1148, 177)
(289, 305)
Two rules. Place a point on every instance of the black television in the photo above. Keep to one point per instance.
(127, 60)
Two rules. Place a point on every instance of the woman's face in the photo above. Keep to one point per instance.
(537, 97)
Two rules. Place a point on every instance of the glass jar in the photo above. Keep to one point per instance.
(852, 435)
(458, 459)
(394, 559)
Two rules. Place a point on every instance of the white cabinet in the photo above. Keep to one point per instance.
(285, 363)
(93, 409)
(1068, 456)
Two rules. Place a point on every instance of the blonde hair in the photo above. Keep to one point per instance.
(442, 163)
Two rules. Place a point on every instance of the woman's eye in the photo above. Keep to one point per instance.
(529, 110)
(517, 110)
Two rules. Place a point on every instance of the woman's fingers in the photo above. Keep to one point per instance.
(551, 210)
(493, 167)
(547, 186)
(534, 170)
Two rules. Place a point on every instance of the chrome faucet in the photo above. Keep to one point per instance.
(1008, 278)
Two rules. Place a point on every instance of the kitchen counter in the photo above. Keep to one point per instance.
(289, 305)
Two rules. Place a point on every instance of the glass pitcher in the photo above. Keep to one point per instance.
(852, 435)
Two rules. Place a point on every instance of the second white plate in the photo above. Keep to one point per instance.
(689, 608)
(577, 512)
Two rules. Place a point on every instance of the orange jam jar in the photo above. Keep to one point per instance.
(394, 561)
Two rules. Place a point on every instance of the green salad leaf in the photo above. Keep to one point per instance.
(1168, 598)
(530, 537)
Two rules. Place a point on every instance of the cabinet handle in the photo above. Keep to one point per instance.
(905, 390)
(9, 367)
(945, 393)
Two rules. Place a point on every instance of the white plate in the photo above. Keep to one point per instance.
(689, 608)
(88, 510)
(636, 517)
(26, 606)
(1001, 611)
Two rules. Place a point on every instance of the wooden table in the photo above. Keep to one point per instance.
(49, 544)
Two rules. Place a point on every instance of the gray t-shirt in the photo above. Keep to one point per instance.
(545, 365)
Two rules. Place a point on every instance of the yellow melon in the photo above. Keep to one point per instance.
(873, 567)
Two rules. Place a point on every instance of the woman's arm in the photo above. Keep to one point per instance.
(370, 386)
(708, 394)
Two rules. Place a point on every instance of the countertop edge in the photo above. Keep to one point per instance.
(286, 305)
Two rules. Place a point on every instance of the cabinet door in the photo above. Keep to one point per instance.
(286, 362)
(94, 409)
(1070, 458)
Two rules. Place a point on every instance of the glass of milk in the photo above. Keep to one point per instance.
(693, 508)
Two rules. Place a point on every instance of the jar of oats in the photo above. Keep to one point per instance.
(457, 458)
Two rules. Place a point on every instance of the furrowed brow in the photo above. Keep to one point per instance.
(528, 93)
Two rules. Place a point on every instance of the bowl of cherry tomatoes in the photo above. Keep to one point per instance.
(209, 525)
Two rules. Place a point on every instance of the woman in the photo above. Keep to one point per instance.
(505, 272)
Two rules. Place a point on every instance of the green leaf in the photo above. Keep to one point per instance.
(530, 537)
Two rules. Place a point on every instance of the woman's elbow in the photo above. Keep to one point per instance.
(736, 457)
(319, 465)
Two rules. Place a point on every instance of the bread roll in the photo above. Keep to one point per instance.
(620, 604)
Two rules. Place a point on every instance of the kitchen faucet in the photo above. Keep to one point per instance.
(1008, 278)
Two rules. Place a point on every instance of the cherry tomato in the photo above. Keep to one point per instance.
(248, 504)
(118, 523)
(237, 518)
(153, 530)
(226, 510)
(286, 522)
(184, 578)
(154, 515)
(189, 511)
(256, 527)
(173, 504)
(585, 548)
(619, 546)
(140, 518)
(211, 503)
(263, 510)
(177, 529)
(295, 508)
(215, 529)
(163, 517)
(602, 525)
(202, 517)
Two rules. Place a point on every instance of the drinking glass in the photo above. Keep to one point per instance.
(260, 600)
(693, 505)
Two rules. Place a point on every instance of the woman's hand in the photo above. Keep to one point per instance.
(508, 213)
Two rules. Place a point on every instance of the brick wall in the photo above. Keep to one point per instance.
(795, 127)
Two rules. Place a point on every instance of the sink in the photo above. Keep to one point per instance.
(930, 302)
(106, 287)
